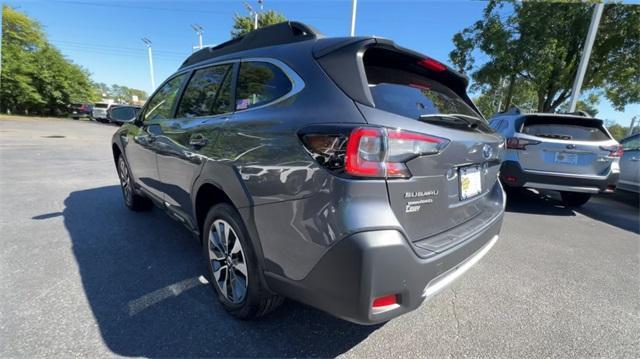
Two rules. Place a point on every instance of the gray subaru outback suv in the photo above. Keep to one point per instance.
(349, 174)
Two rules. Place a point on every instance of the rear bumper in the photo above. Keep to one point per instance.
(512, 175)
(372, 264)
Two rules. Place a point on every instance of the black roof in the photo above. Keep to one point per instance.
(278, 34)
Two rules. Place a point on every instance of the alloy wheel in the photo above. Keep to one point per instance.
(227, 260)
(125, 180)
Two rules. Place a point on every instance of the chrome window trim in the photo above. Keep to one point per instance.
(297, 84)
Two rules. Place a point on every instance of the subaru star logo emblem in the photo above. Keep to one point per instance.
(487, 152)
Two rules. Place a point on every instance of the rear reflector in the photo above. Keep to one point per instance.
(432, 65)
(385, 301)
(510, 179)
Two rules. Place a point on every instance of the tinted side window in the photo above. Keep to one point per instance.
(200, 95)
(123, 113)
(161, 104)
(631, 144)
(260, 83)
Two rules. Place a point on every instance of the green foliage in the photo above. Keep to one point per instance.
(121, 94)
(244, 24)
(539, 44)
(36, 78)
(617, 131)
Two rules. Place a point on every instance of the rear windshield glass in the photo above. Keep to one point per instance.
(411, 95)
(101, 105)
(570, 129)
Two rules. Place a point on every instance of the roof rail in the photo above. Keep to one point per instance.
(278, 34)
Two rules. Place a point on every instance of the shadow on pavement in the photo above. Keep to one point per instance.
(140, 273)
(521, 200)
(620, 209)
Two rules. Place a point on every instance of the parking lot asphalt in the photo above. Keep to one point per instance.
(80, 275)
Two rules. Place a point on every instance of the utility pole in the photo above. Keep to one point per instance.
(584, 61)
(153, 80)
(633, 122)
(252, 13)
(261, 3)
(198, 29)
(354, 4)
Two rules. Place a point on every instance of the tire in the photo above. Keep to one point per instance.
(240, 290)
(75, 118)
(132, 200)
(574, 199)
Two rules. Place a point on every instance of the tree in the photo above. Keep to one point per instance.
(122, 94)
(617, 131)
(540, 43)
(244, 24)
(36, 78)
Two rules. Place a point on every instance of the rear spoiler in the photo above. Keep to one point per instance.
(341, 58)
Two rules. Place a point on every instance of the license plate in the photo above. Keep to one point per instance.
(74, 112)
(470, 182)
(566, 158)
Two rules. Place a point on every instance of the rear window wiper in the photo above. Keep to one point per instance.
(449, 119)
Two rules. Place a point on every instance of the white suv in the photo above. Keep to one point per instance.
(570, 153)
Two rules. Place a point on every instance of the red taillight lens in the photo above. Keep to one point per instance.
(365, 153)
(432, 65)
(385, 301)
(381, 152)
(614, 150)
(516, 143)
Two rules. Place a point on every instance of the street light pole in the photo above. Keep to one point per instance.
(584, 61)
(354, 4)
(153, 80)
(198, 29)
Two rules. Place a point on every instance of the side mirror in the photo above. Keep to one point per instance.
(123, 114)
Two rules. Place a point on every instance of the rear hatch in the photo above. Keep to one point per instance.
(563, 144)
(100, 109)
(447, 188)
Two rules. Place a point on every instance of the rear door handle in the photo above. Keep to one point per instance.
(198, 140)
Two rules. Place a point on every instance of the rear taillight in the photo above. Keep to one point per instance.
(382, 152)
(516, 143)
(614, 150)
(373, 152)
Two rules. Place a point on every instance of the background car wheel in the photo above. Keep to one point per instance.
(232, 266)
(132, 200)
(574, 199)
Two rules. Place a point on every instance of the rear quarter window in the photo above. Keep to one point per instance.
(260, 83)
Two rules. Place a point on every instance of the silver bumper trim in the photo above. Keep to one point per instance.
(556, 187)
(447, 278)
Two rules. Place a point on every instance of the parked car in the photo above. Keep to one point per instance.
(350, 174)
(573, 154)
(80, 110)
(99, 112)
(126, 112)
(630, 164)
